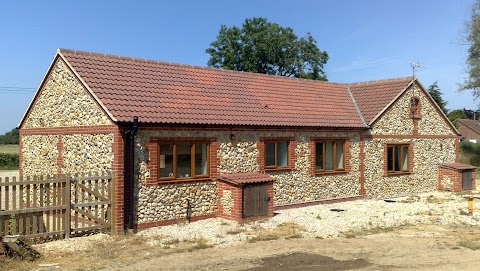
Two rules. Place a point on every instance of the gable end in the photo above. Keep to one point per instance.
(396, 117)
(62, 101)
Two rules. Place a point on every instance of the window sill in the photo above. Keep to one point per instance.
(397, 174)
(320, 173)
(175, 181)
(278, 169)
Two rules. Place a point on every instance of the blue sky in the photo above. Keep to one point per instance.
(366, 40)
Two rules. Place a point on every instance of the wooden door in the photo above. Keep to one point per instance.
(467, 180)
(255, 200)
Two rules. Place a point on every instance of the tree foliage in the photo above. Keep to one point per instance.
(435, 92)
(456, 114)
(264, 47)
(472, 82)
(10, 137)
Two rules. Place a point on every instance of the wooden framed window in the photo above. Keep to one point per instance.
(330, 155)
(183, 160)
(398, 158)
(276, 154)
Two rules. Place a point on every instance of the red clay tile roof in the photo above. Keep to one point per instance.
(372, 97)
(159, 92)
(243, 178)
(459, 166)
(472, 124)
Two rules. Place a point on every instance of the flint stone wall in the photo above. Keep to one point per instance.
(39, 155)
(428, 154)
(227, 201)
(168, 201)
(87, 153)
(447, 183)
(300, 185)
(81, 153)
(397, 119)
(431, 123)
(64, 101)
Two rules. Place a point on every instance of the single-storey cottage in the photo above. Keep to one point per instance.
(197, 142)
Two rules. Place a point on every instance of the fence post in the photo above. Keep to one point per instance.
(67, 214)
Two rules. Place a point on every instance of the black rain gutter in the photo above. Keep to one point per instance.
(129, 180)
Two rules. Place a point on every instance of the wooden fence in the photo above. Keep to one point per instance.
(55, 206)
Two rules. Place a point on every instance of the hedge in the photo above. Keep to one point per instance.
(8, 161)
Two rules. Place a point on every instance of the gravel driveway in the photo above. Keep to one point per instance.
(445, 213)
(439, 208)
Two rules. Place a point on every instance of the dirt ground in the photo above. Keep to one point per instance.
(412, 248)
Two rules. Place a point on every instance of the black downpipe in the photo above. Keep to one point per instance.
(130, 181)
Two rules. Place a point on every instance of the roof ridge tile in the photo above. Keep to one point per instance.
(78, 52)
(383, 80)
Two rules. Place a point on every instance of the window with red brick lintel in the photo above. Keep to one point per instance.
(329, 156)
(183, 160)
(276, 154)
(398, 158)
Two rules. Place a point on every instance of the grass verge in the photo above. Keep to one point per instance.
(14, 149)
(287, 230)
(470, 244)
(375, 230)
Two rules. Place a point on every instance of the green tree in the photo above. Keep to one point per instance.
(264, 47)
(472, 82)
(10, 137)
(456, 114)
(436, 94)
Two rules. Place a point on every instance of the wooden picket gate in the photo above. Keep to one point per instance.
(90, 203)
(55, 206)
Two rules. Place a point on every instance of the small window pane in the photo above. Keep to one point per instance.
(319, 156)
(390, 158)
(166, 160)
(397, 158)
(329, 155)
(201, 163)
(269, 154)
(339, 152)
(282, 154)
(405, 158)
(184, 160)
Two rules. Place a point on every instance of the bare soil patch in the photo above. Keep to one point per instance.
(308, 262)
(429, 247)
